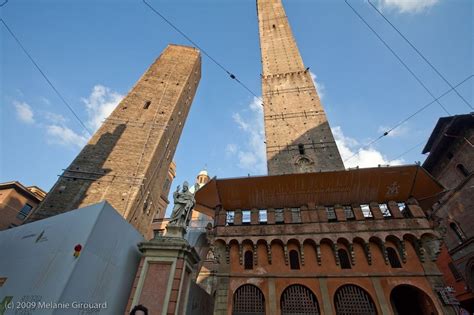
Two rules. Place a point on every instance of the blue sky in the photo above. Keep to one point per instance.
(94, 51)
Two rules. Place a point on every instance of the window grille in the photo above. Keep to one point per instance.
(385, 210)
(331, 214)
(245, 216)
(279, 218)
(262, 216)
(404, 210)
(348, 213)
(248, 299)
(230, 218)
(366, 211)
(353, 300)
(298, 299)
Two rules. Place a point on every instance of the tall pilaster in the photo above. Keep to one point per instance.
(298, 136)
(126, 162)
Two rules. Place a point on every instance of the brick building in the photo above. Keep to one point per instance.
(451, 162)
(311, 237)
(127, 161)
(17, 203)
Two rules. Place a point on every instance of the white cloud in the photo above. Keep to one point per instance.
(252, 156)
(100, 103)
(352, 151)
(320, 88)
(406, 6)
(64, 136)
(24, 112)
(231, 149)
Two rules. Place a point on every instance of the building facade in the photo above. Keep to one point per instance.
(451, 162)
(127, 160)
(17, 203)
(311, 237)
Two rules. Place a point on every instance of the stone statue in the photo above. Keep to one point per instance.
(183, 205)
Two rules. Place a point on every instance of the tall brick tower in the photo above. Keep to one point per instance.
(126, 162)
(298, 135)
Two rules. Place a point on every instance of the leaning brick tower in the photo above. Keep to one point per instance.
(298, 136)
(126, 161)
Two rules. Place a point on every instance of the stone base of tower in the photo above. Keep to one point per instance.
(164, 276)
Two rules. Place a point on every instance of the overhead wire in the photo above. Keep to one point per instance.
(396, 56)
(43, 74)
(420, 54)
(386, 133)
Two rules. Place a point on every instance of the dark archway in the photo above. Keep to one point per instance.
(248, 300)
(298, 299)
(409, 300)
(353, 300)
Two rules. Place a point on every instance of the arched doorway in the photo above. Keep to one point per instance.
(298, 299)
(409, 300)
(353, 300)
(248, 300)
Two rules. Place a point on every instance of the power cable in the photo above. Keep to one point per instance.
(231, 75)
(420, 54)
(46, 77)
(396, 56)
(409, 117)
(408, 151)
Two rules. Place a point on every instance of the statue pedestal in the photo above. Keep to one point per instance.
(175, 231)
(164, 275)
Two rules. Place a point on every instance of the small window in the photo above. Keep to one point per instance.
(455, 228)
(454, 270)
(248, 259)
(344, 259)
(301, 148)
(463, 170)
(230, 218)
(404, 210)
(385, 210)
(331, 214)
(279, 218)
(366, 211)
(262, 216)
(393, 258)
(24, 212)
(348, 213)
(245, 216)
(147, 104)
(295, 215)
(294, 259)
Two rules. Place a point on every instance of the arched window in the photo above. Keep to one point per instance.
(294, 259)
(298, 299)
(457, 231)
(351, 299)
(393, 258)
(344, 259)
(248, 299)
(463, 170)
(248, 259)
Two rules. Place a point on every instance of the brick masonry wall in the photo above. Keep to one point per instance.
(298, 136)
(126, 161)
